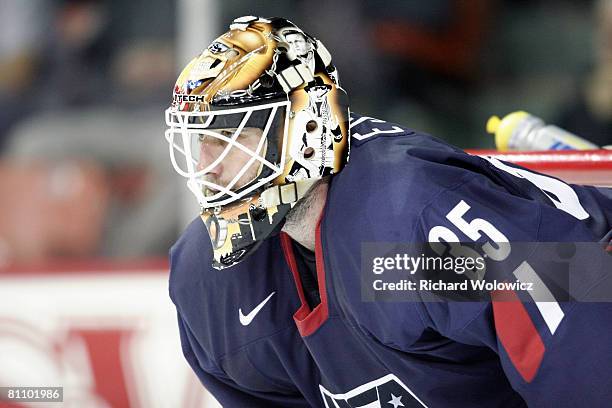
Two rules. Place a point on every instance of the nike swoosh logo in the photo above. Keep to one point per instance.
(246, 320)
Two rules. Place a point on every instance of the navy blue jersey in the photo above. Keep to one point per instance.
(253, 341)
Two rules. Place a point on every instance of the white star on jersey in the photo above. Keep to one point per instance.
(396, 401)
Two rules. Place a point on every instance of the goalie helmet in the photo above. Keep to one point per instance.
(255, 120)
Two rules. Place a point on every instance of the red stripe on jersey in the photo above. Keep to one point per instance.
(285, 240)
(517, 333)
(308, 321)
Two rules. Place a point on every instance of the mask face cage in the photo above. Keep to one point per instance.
(225, 154)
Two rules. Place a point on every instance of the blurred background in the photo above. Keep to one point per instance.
(85, 180)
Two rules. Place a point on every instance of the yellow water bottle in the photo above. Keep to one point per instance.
(522, 131)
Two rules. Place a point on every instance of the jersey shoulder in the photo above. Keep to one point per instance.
(407, 160)
(393, 173)
(365, 129)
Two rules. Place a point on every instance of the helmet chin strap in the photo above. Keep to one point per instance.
(286, 193)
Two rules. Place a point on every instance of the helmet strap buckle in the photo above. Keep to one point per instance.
(287, 193)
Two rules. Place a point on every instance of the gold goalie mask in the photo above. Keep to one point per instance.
(255, 120)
